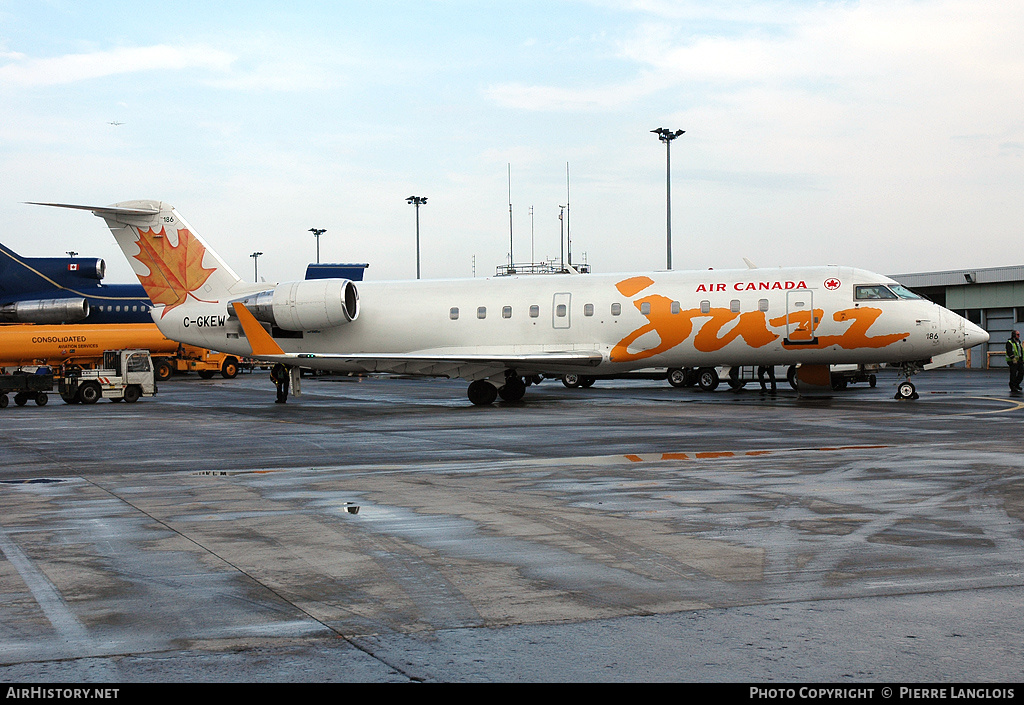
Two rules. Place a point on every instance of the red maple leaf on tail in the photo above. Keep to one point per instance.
(175, 271)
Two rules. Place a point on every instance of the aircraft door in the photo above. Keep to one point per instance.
(801, 324)
(560, 310)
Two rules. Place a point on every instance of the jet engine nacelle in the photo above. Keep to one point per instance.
(304, 305)
(45, 311)
(88, 268)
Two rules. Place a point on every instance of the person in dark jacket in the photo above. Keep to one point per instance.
(279, 373)
(1015, 361)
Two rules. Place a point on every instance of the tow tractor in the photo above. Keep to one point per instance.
(126, 375)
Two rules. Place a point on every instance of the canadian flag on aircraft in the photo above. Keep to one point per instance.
(72, 267)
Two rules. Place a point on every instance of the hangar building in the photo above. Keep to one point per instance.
(993, 298)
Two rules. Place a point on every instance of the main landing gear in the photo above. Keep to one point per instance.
(483, 392)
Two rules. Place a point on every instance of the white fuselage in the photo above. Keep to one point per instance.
(780, 316)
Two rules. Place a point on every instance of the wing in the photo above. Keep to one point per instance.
(463, 366)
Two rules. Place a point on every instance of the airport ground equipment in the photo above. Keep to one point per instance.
(190, 358)
(25, 387)
(126, 375)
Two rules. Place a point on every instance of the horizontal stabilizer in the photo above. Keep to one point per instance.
(102, 211)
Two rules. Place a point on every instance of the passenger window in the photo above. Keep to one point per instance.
(734, 305)
(645, 307)
(506, 312)
(534, 311)
(616, 309)
(675, 307)
(705, 307)
(481, 312)
(588, 310)
(560, 310)
(762, 305)
(454, 313)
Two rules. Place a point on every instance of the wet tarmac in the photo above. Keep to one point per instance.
(382, 530)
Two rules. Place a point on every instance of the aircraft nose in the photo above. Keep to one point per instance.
(974, 335)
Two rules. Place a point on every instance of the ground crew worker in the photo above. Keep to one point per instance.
(279, 373)
(1015, 361)
(770, 370)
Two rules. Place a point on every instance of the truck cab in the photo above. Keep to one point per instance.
(126, 375)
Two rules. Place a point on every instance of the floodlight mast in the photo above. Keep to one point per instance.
(317, 232)
(666, 136)
(417, 201)
(255, 265)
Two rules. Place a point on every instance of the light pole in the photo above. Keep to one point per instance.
(417, 201)
(71, 253)
(667, 136)
(317, 232)
(255, 266)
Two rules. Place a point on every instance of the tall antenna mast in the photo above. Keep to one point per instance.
(568, 236)
(510, 258)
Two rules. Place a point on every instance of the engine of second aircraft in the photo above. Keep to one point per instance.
(305, 305)
(45, 311)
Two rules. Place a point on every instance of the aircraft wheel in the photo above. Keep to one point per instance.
(906, 390)
(230, 369)
(872, 380)
(838, 382)
(791, 376)
(514, 389)
(707, 379)
(41, 399)
(90, 393)
(482, 392)
(132, 394)
(571, 381)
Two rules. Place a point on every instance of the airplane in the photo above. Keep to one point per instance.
(495, 332)
(56, 290)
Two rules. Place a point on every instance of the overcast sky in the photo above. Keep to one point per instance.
(887, 135)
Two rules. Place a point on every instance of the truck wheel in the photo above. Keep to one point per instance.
(230, 368)
(132, 393)
(90, 393)
(162, 369)
(20, 398)
(677, 377)
(571, 381)
(3, 401)
(707, 379)
(41, 399)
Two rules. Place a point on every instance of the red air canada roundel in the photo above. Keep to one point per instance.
(832, 284)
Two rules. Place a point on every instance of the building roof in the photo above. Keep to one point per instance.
(961, 277)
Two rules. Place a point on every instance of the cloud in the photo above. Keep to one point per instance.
(72, 68)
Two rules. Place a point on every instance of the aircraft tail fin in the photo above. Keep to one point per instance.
(173, 263)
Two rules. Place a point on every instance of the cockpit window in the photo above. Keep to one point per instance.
(903, 292)
(869, 292)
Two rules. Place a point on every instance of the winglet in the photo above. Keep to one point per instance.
(259, 340)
